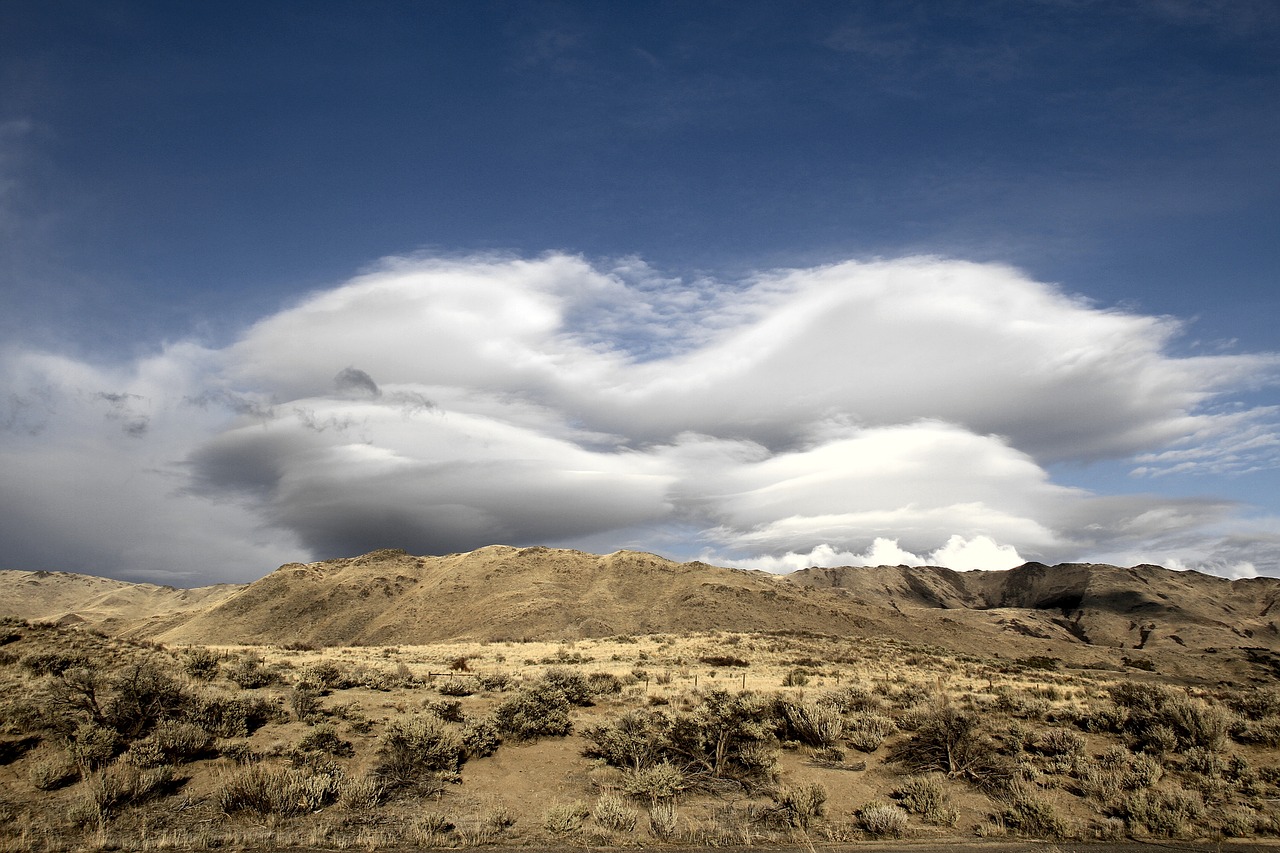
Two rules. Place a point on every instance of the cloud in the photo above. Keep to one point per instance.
(902, 411)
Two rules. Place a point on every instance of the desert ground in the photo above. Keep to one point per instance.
(971, 733)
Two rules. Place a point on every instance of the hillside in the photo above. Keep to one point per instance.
(1198, 627)
(499, 593)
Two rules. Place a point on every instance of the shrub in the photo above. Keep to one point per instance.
(851, 699)
(200, 664)
(612, 814)
(223, 716)
(795, 678)
(1027, 813)
(1261, 733)
(1161, 719)
(541, 710)
(723, 660)
(52, 663)
(416, 749)
(882, 820)
(480, 738)
(810, 723)
(324, 738)
(250, 673)
(50, 769)
(145, 753)
(360, 794)
(1057, 742)
(802, 805)
(1171, 812)
(925, 796)
(603, 683)
(662, 781)
(123, 784)
(455, 687)
(1256, 704)
(93, 745)
(323, 675)
(496, 681)
(449, 710)
(304, 699)
(565, 819)
(663, 820)
(866, 730)
(950, 740)
(275, 790)
(571, 683)
(180, 742)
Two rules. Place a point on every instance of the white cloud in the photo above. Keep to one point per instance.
(959, 553)
(897, 411)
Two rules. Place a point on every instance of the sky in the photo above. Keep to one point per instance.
(763, 284)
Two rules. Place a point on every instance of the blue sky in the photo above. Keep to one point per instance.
(760, 283)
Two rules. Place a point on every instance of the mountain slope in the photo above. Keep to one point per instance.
(1090, 615)
(508, 593)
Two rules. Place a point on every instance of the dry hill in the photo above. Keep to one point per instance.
(1194, 625)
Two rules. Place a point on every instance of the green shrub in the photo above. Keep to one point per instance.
(417, 749)
(541, 710)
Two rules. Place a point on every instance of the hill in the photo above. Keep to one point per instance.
(1198, 626)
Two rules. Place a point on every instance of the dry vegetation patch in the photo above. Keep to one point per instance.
(704, 739)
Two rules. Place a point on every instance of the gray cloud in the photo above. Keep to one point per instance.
(351, 381)
(904, 410)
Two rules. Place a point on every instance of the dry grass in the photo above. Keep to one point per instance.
(908, 737)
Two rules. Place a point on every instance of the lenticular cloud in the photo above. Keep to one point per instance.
(898, 411)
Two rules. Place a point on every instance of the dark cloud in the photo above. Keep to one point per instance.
(357, 383)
